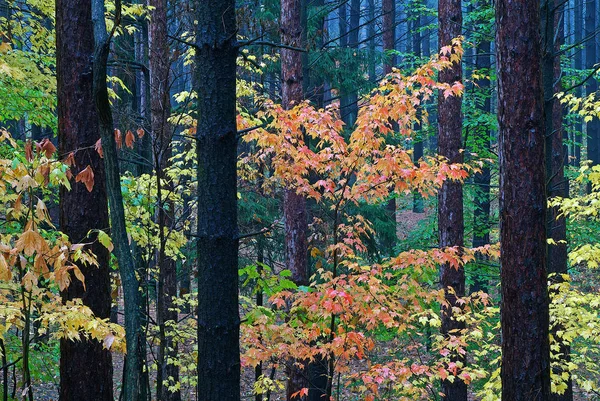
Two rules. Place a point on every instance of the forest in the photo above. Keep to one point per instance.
(300, 200)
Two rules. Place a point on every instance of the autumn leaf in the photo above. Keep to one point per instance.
(5, 273)
(140, 133)
(105, 240)
(98, 147)
(70, 159)
(86, 176)
(299, 394)
(129, 139)
(29, 151)
(47, 147)
(29, 242)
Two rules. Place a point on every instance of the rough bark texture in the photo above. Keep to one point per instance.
(296, 221)
(524, 308)
(450, 198)
(85, 366)
(389, 32)
(133, 371)
(218, 315)
(160, 107)
(553, 35)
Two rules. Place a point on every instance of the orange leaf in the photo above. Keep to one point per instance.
(302, 393)
(47, 147)
(140, 133)
(87, 177)
(70, 160)
(129, 139)
(29, 151)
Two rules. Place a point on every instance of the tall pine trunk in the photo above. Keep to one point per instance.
(524, 307)
(214, 80)
(450, 198)
(85, 366)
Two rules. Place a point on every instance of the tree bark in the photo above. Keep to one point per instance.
(524, 308)
(85, 366)
(160, 107)
(552, 38)
(218, 315)
(450, 198)
(389, 33)
(133, 370)
(296, 220)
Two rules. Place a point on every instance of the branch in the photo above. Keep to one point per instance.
(272, 44)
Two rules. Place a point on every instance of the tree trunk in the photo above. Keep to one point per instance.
(418, 205)
(389, 33)
(85, 366)
(218, 315)
(552, 37)
(160, 107)
(450, 198)
(296, 221)
(133, 370)
(524, 308)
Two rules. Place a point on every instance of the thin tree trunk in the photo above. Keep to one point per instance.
(552, 37)
(524, 308)
(296, 220)
(133, 327)
(160, 106)
(450, 198)
(218, 315)
(85, 366)
(418, 205)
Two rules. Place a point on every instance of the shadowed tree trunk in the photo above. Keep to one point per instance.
(85, 366)
(160, 108)
(218, 315)
(552, 37)
(450, 198)
(524, 308)
(296, 220)
(133, 370)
